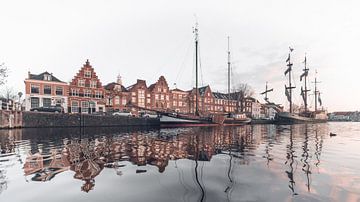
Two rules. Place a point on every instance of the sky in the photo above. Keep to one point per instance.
(147, 39)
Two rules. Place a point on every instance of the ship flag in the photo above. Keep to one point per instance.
(287, 93)
(288, 59)
(303, 94)
(304, 74)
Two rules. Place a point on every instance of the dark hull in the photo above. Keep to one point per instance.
(287, 118)
(261, 121)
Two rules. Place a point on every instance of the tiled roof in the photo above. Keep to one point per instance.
(41, 77)
(111, 86)
(202, 90)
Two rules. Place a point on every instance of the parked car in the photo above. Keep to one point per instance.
(53, 109)
(147, 115)
(122, 114)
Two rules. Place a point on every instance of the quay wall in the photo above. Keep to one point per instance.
(46, 120)
(10, 119)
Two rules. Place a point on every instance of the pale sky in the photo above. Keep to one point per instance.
(149, 38)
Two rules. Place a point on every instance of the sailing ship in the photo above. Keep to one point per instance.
(306, 115)
(177, 119)
(233, 118)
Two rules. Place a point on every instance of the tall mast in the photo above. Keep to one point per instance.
(304, 91)
(196, 67)
(288, 90)
(229, 74)
(316, 91)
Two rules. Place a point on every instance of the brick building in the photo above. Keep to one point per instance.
(117, 96)
(160, 95)
(86, 94)
(140, 97)
(45, 90)
(180, 101)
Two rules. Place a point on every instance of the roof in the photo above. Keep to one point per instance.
(152, 86)
(177, 89)
(111, 86)
(202, 90)
(40, 77)
(342, 113)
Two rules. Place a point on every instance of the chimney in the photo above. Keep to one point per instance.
(28, 74)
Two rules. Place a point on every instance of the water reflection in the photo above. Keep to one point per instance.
(294, 150)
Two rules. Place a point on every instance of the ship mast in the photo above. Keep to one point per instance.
(228, 74)
(266, 92)
(304, 91)
(316, 92)
(196, 68)
(288, 90)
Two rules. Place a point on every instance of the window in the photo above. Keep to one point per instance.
(133, 93)
(180, 104)
(123, 101)
(47, 90)
(74, 92)
(159, 89)
(46, 102)
(87, 93)
(87, 74)
(74, 106)
(81, 83)
(34, 102)
(133, 99)
(141, 93)
(161, 97)
(148, 100)
(174, 103)
(98, 94)
(117, 100)
(167, 97)
(35, 88)
(93, 84)
(156, 96)
(59, 90)
(84, 107)
(47, 77)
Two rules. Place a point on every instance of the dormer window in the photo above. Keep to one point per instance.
(47, 77)
(87, 74)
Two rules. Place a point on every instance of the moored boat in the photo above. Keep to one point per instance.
(306, 115)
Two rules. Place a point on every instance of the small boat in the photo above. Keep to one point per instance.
(236, 119)
(233, 118)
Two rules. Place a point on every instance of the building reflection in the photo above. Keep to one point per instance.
(86, 156)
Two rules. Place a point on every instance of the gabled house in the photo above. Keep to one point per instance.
(117, 96)
(45, 90)
(160, 95)
(86, 94)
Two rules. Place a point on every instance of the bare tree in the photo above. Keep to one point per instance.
(3, 73)
(240, 92)
(8, 93)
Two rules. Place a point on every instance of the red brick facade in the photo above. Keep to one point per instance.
(117, 96)
(86, 93)
(160, 95)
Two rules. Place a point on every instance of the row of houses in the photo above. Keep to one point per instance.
(86, 94)
(344, 116)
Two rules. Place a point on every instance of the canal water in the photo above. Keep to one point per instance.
(247, 163)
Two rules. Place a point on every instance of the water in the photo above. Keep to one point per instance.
(248, 163)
